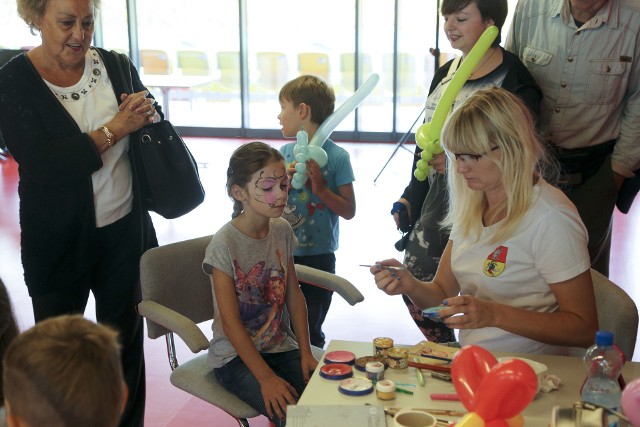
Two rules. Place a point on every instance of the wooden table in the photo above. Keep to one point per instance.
(321, 391)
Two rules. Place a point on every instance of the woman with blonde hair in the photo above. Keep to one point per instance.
(514, 275)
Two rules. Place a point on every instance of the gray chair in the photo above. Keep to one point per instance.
(177, 295)
(616, 312)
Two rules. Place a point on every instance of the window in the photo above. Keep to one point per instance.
(192, 56)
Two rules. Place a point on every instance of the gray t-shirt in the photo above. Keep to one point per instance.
(259, 268)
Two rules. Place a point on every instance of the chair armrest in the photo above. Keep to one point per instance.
(329, 281)
(175, 322)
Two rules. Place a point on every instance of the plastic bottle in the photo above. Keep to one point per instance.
(603, 363)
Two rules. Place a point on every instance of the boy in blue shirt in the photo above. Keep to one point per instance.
(314, 210)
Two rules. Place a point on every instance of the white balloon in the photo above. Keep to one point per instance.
(298, 180)
(318, 154)
(343, 111)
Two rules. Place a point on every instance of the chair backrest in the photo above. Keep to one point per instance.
(193, 62)
(406, 73)
(348, 69)
(229, 68)
(315, 64)
(616, 313)
(154, 61)
(273, 70)
(172, 276)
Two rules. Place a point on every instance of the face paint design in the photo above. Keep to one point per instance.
(271, 190)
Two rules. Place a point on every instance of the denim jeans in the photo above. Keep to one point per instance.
(238, 379)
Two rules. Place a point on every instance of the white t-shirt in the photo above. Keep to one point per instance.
(548, 246)
(91, 103)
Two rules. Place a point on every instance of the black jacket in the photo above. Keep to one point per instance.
(56, 160)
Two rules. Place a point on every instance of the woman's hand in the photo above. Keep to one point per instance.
(467, 312)
(135, 111)
(396, 215)
(439, 162)
(392, 281)
(277, 394)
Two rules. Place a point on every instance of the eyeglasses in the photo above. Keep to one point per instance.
(465, 157)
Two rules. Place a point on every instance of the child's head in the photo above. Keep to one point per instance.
(64, 371)
(302, 94)
(245, 161)
(8, 328)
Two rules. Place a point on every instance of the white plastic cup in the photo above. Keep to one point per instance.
(413, 418)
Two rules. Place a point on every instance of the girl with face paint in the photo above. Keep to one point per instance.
(260, 315)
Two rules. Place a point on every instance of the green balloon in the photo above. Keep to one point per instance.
(420, 174)
(459, 79)
(422, 135)
(433, 129)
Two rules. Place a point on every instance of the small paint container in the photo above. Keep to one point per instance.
(398, 358)
(336, 371)
(361, 362)
(355, 387)
(386, 390)
(340, 356)
(375, 371)
(381, 346)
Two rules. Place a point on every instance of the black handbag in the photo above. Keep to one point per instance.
(168, 174)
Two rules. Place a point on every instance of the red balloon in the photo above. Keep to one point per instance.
(506, 390)
(469, 367)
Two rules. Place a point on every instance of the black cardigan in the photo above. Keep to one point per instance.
(518, 81)
(56, 160)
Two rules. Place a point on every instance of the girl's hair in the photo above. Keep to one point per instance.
(314, 92)
(245, 161)
(31, 10)
(496, 10)
(493, 118)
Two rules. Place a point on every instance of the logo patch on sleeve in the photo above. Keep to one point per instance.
(496, 262)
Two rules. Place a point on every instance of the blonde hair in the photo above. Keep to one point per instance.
(314, 92)
(64, 371)
(31, 10)
(493, 118)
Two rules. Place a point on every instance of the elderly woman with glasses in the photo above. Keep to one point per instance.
(514, 275)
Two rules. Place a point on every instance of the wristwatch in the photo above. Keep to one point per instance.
(398, 207)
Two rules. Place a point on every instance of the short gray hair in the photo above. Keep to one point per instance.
(29, 10)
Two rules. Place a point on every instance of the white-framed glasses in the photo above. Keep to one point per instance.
(466, 157)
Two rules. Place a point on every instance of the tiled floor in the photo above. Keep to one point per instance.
(365, 239)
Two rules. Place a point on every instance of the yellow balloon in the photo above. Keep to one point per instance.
(517, 421)
(420, 174)
(471, 420)
(459, 78)
(433, 129)
(422, 137)
(426, 156)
